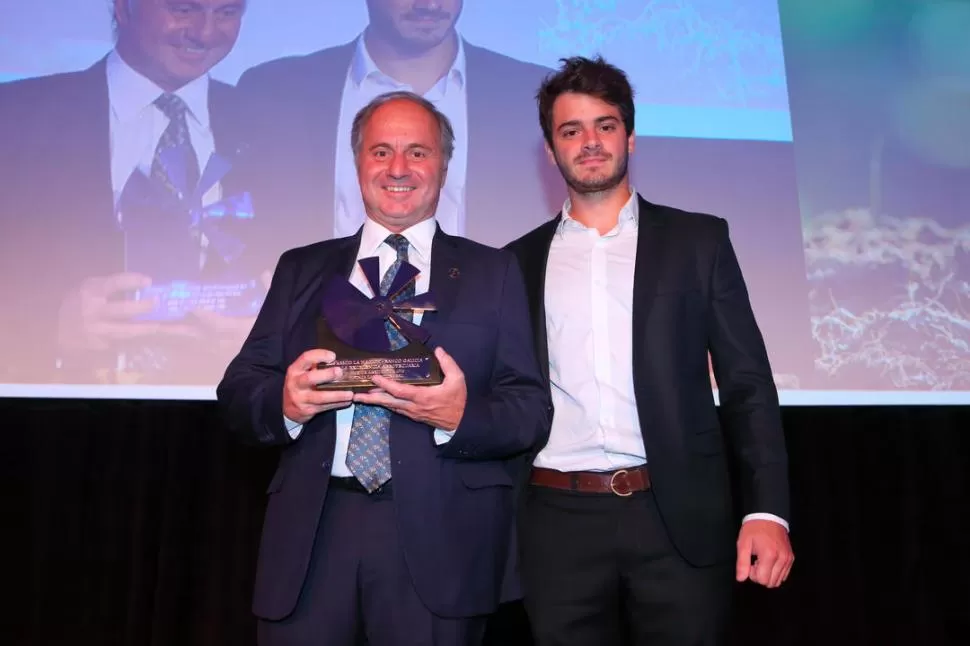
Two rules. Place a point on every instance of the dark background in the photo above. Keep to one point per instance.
(137, 523)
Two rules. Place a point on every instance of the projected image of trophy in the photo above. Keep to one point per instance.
(192, 253)
(373, 336)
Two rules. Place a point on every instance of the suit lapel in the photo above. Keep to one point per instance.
(534, 273)
(329, 68)
(100, 117)
(222, 120)
(446, 279)
(85, 153)
(479, 149)
(650, 260)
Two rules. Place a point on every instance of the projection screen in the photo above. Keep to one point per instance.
(834, 137)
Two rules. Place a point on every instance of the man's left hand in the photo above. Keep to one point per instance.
(440, 406)
(766, 541)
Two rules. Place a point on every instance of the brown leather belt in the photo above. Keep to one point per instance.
(621, 483)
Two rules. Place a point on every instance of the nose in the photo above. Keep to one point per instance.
(202, 27)
(398, 168)
(591, 141)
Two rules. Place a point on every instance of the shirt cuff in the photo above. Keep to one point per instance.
(442, 437)
(771, 517)
(293, 428)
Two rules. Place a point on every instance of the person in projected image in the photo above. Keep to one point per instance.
(389, 517)
(71, 142)
(628, 525)
(301, 108)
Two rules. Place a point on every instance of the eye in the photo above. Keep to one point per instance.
(180, 9)
(571, 132)
(608, 127)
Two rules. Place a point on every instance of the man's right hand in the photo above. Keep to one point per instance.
(301, 399)
(93, 318)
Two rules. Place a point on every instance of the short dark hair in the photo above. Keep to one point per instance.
(445, 128)
(592, 76)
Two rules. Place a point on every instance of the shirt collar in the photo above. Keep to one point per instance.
(363, 67)
(129, 92)
(420, 236)
(630, 213)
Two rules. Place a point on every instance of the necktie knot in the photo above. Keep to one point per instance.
(172, 106)
(400, 244)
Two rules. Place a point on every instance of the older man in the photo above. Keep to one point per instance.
(390, 515)
(71, 143)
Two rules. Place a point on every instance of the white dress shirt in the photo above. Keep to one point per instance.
(136, 124)
(420, 238)
(365, 82)
(589, 297)
(589, 327)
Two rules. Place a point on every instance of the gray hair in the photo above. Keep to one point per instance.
(446, 132)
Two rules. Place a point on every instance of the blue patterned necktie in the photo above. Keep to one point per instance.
(176, 135)
(369, 449)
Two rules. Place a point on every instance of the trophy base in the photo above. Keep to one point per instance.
(413, 364)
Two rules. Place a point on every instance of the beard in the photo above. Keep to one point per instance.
(596, 183)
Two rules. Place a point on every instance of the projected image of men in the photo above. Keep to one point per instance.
(300, 109)
(85, 134)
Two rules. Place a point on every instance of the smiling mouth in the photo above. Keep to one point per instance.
(398, 189)
(192, 51)
(426, 18)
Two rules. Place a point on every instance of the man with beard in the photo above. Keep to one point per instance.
(71, 143)
(300, 109)
(627, 531)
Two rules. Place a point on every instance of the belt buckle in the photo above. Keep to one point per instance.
(613, 483)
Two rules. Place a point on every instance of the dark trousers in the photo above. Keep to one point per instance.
(599, 570)
(358, 590)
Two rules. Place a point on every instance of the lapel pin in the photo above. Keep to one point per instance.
(453, 272)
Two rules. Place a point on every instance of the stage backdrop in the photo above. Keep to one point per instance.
(832, 136)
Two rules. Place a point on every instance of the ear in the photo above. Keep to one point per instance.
(550, 154)
(122, 10)
(631, 142)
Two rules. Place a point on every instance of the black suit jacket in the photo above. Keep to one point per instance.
(454, 502)
(293, 106)
(56, 205)
(689, 298)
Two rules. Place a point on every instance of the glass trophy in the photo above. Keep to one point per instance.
(355, 328)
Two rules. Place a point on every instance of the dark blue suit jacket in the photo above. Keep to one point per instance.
(690, 299)
(455, 502)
